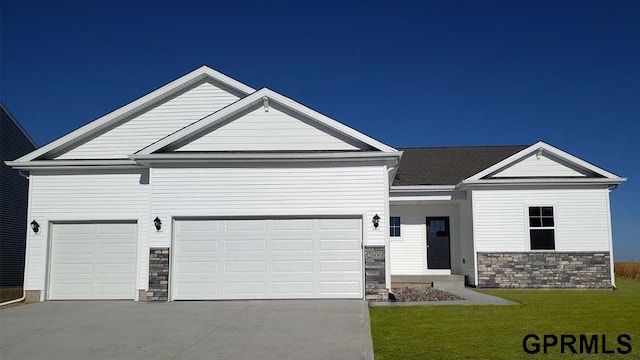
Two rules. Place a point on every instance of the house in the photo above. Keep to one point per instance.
(14, 188)
(209, 189)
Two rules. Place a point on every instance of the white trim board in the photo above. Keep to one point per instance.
(202, 73)
(209, 123)
(541, 146)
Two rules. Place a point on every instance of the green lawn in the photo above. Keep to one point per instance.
(497, 332)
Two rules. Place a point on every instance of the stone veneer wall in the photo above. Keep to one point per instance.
(158, 275)
(374, 273)
(544, 270)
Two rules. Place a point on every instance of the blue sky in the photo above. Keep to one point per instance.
(421, 73)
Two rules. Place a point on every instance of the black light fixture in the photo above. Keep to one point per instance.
(35, 226)
(376, 221)
(157, 223)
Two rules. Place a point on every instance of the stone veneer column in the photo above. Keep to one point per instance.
(374, 273)
(158, 275)
(545, 269)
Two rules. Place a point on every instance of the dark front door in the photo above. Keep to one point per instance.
(438, 248)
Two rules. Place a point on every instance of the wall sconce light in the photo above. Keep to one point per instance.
(35, 226)
(376, 221)
(157, 223)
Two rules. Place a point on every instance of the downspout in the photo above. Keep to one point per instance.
(26, 258)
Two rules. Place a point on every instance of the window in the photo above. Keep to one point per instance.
(394, 226)
(541, 228)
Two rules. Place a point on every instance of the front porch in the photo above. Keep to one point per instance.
(431, 240)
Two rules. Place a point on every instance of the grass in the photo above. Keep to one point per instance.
(496, 332)
(628, 270)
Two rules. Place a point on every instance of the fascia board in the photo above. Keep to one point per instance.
(546, 147)
(421, 188)
(329, 122)
(116, 115)
(556, 181)
(261, 157)
(250, 100)
(72, 164)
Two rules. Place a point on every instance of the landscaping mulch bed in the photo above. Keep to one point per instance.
(413, 293)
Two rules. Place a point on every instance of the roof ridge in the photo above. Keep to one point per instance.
(462, 146)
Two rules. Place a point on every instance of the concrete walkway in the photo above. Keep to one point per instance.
(470, 297)
(291, 329)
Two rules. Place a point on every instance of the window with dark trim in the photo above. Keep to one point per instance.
(394, 226)
(541, 228)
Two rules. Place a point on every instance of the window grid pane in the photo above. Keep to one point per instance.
(394, 226)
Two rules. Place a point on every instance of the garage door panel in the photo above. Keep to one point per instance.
(339, 244)
(239, 245)
(116, 248)
(343, 224)
(115, 268)
(196, 267)
(246, 226)
(292, 266)
(109, 290)
(339, 287)
(244, 267)
(206, 226)
(242, 288)
(340, 266)
(116, 228)
(74, 268)
(293, 224)
(78, 229)
(200, 245)
(269, 259)
(293, 245)
(292, 288)
(93, 261)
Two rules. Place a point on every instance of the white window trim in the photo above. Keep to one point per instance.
(528, 227)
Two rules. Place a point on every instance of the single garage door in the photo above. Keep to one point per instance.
(93, 261)
(267, 259)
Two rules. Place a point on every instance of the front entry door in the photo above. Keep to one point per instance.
(438, 247)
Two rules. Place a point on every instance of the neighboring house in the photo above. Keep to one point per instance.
(208, 189)
(14, 190)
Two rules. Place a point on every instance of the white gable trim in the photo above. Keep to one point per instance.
(259, 96)
(541, 146)
(201, 74)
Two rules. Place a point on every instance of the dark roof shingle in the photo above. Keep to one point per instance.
(448, 165)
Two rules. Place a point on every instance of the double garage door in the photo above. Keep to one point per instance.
(267, 259)
(214, 259)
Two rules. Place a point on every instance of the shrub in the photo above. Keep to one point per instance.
(629, 270)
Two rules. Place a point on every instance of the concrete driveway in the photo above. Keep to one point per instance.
(290, 329)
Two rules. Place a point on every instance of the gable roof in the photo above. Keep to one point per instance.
(264, 95)
(448, 165)
(542, 147)
(201, 74)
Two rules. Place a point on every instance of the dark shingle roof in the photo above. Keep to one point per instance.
(448, 165)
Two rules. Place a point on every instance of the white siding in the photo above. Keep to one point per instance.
(154, 124)
(409, 251)
(466, 261)
(309, 191)
(533, 166)
(272, 130)
(500, 218)
(89, 197)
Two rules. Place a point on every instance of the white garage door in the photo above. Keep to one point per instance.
(93, 261)
(267, 259)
